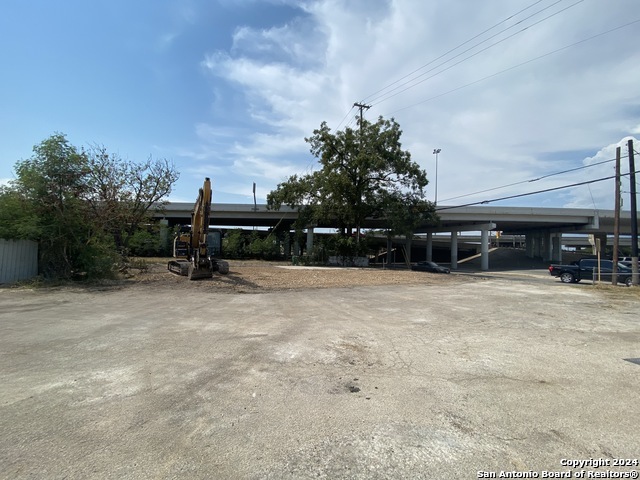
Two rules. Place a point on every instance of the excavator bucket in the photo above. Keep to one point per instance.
(199, 273)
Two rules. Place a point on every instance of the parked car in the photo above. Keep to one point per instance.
(586, 269)
(430, 267)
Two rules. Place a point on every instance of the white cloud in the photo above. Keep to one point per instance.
(259, 167)
(601, 195)
(499, 131)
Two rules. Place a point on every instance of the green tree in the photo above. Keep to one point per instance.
(46, 202)
(233, 244)
(363, 173)
(125, 194)
(266, 248)
(77, 204)
(145, 243)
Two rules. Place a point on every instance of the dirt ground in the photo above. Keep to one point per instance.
(293, 373)
(256, 276)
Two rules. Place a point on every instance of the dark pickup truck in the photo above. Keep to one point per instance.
(587, 269)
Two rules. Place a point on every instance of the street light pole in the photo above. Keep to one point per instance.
(436, 151)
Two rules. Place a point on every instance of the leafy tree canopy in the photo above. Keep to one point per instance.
(363, 173)
(82, 206)
(122, 193)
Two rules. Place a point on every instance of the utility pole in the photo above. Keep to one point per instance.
(361, 106)
(616, 220)
(634, 215)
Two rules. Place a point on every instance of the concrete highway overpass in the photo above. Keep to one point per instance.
(542, 228)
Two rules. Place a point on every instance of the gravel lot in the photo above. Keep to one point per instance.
(284, 373)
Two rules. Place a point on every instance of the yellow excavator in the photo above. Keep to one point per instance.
(190, 247)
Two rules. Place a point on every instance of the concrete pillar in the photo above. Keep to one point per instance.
(484, 250)
(309, 240)
(537, 245)
(389, 248)
(548, 247)
(296, 247)
(528, 245)
(429, 246)
(556, 248)
(454, 250)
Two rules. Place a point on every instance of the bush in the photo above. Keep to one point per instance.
(98, 259)
(265, 248)
(349, 247)
(233, 244)
(144, 243)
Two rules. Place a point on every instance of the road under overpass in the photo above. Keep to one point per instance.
(542, 228)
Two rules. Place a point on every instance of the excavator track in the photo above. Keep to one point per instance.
(186, 269)
(181, 267)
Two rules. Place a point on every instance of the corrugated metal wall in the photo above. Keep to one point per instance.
(18, 260)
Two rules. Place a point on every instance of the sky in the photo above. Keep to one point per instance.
(508, 90)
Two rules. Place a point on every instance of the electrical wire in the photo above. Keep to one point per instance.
(531, 180)
(345, 117)
(483, 202)
(389, 95)
(450, 51)
(516, 66)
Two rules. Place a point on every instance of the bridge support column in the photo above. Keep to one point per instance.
(528, 245)
(547, 243)
(454, 250)
(296, 246)
(429, 246)
(537, 245)
(556, 248)
(309, 240)
(484, 249)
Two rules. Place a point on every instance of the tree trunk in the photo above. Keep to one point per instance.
(407, 249)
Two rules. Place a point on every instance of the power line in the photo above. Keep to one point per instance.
(386, 96)
(531, 180)
(345, 117)
(516, 66)
(450, 51)
(483, 202)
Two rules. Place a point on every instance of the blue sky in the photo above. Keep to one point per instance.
(229, 89)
